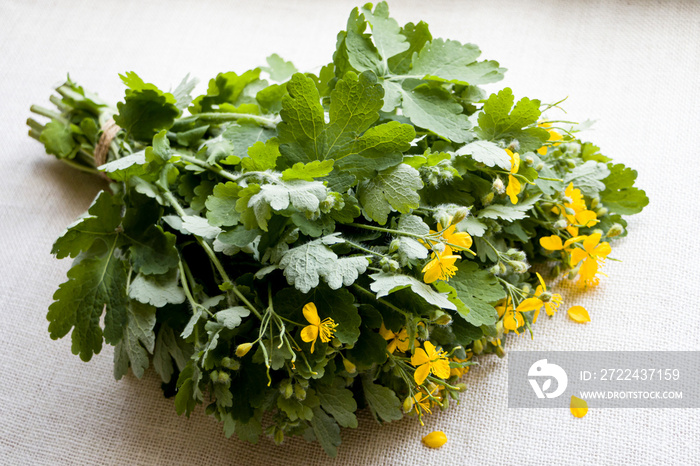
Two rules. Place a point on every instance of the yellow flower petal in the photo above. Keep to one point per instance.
(551, 243)
(578, 407)
(421, 373)
(435, 439)
(419, 357)
(591, 242)
(577, 255)
(441, 368)
(530, 304)
(587, 218)
(311, 314)
(309, 333)
(579, 314)
(602, 250)
(513, 189)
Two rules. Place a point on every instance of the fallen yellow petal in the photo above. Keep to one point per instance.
(578, 407)
(579, 314)
(436, 439)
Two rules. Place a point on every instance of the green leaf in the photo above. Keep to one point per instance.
(257, 202)
(304, 265)
(244, 135)
(382, 401)
(620, 195)
(473, 291)
(95, 283)
(232, 317)
(168, 349)
(221, 205)
(393, 188)
(308, 171)
(261, 156)
(220, 149)
(508, 212)
(146, 109)
(295, 409)
(199, 226)
(279, 70)
(326, 431)
(153, 251)
(417, 35)
(497, 121)
(486, 152)
(101, 221)
(384, 284)
(182, 92)
(357, 149)
(434, 109)
(58, 140)
(157, 290)
(138, 340)
(450, 61)
(226, 88)
(355, 50)
(589, 177)
(369, 350)
(386, 33)
(339, 402)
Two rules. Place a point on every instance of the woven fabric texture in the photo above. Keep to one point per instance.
(631, 65)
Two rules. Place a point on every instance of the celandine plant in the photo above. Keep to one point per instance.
(307, 245)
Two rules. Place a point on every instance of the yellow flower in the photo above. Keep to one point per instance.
(460, 371)
(536, 303)
(554, 243)
(513, 188)
(575, 212)
(395, 340)
(441, 267)
(459, 239)
(512, 318)
(430, 360)
(553, 136)
(593, 256)
(316, 327)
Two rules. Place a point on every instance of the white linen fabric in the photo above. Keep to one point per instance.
(631, 65)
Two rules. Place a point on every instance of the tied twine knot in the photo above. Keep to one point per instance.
(109, 131)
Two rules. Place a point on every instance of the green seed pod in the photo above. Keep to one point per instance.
(499, 352)
(477, 347)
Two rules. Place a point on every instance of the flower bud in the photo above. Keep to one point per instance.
(488, 199)
(570, 163)
(615, 230)
(243, 349)
(443, 219)
(545, 297)
(527, 288)
(408, 404)
(477, 347)
(230, 363)
(560, 224)
(279, 436)
(594, 202)
(299, 392)
(529, 160)
(519, 266)
(440, 317)
(422, 332)
(350, 368)
(460, 214)
(514, 146)
(433, 179)
(461, 387)
(539, 166)
(435, 439)
(516, 254)
(286, 388)
(499, 352)
(303, 382)
(498, 186)
(394, 245)
(438, 247)
(336, 343)
(601, 212)
(495, 269)
(393, 266)
(598, 231)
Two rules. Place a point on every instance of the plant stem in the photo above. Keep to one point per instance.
(222, 117)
